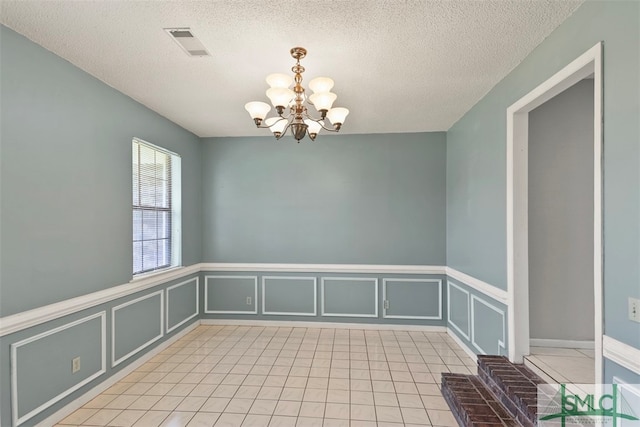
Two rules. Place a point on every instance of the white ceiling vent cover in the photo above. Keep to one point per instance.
(187, 41)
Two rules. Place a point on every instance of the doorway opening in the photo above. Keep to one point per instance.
(534, 273)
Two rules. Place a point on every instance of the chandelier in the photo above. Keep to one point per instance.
(295, 101)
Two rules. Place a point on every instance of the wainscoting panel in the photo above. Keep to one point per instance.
(628, 398)
(41, 377)
(349, 296)
(412, 298)
(136, 324)
(183, 303)
(137, 316)
(289, 296)
(458, 309)
(476, 319)
(114, 328)
(231, 294)
(488, 330)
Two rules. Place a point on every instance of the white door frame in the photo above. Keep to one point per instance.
(589, 63)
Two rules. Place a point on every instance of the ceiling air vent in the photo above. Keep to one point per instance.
(187, 41)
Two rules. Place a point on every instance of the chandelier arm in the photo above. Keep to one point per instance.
(321, 123)
(310, 117)
(328, 129)
(261, 126)
(284, 131)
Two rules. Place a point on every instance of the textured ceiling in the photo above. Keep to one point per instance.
(399, 65)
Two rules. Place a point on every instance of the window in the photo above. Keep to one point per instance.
(156, 208)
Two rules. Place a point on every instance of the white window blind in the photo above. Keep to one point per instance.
(153, 208)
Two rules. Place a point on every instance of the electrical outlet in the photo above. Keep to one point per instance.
(248, 300)
(634, 309)
(75, 365)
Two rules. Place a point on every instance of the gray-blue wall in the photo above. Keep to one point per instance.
(65, 176)
(65, 193)
(476, 158)
(370, 199)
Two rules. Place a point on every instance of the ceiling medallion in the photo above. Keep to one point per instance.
(297, 119)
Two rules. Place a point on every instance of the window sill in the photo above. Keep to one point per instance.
(155, 273)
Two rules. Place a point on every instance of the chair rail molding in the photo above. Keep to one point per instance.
(37, 316)
(26, 319)
(623, 354)
(326, 268)
(489, 290)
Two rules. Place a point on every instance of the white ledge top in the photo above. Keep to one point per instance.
(326, 268)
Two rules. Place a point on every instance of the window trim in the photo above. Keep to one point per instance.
(175, 194)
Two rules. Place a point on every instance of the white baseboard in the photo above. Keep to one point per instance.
(322, 325)
(542, 342)
(461, 344)
(71, 407)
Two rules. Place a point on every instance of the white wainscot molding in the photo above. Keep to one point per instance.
(194, 281)
(621, 353)
(451, 285)
(20, 321)
(253, 303)
(324, 281)
(501, 341)
(265, 285)
(385, 298)
(326, 268)
(491, 291)
(37, 316)
(115, 362)
(15, 347)
(78, 403)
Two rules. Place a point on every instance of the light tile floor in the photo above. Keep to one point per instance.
(272, 376)
(564, 365)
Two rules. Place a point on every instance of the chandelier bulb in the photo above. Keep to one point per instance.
(279, 80)
(321, 84)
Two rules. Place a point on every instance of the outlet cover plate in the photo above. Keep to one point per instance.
(634, 309)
